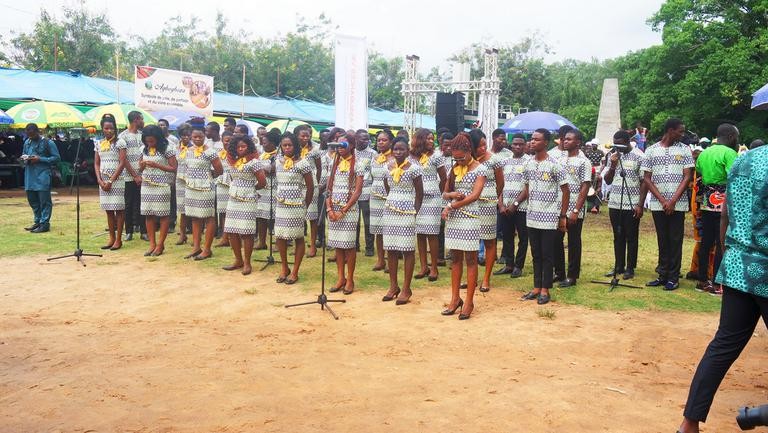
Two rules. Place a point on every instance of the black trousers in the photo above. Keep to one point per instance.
(511, 225)
(739, 314)
(365, 212)
(133, 208)
(626, 231)
(543, 260)
(574, 252)
(172, 218)
(710, 237)
(669, 236)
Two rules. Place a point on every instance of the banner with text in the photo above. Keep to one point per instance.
(164, 89)
(351, 82)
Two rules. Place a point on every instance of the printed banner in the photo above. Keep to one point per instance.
(351, 82)
(164, 89)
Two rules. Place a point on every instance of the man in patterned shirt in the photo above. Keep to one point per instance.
(545, 181)
(512, 214)
(578, 172)
(668, 169)
(625, 204)
(132, 139)
(744, 226)
(363, 151)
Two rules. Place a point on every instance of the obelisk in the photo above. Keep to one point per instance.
(609, 117)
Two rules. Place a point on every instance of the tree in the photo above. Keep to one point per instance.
(385, 78)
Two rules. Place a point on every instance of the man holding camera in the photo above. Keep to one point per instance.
(40, 154)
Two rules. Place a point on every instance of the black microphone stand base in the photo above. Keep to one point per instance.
(78, 253)
(323, 300)
(615, 283)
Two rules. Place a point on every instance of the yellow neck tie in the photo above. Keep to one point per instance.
(105, 145)
(398, 171)
(240, 163)
(288, 163)
(344, 164)
(267, 155)
(182, 151)
(381, 159)
(152, 151)
(424, 160)
(199, 151)
(222, 154)
(304, 152)
(461, 170)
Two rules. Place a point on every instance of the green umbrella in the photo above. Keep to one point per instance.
(45, 115)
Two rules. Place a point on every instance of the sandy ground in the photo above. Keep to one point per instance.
(139, 347)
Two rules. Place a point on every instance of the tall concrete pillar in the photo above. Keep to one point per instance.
(609, 117)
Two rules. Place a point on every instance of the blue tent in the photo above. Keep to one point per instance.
(19, 84)
(760, 99)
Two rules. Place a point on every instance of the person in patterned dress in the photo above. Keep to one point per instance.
(462, 221)
(222, 190)
(203, 165)
(157, 165)
(428, 218)
(513, 213)
(246, 178)
(345, 184)
(295, 188)
(379, 170)
(265, 208)
(108, 164)
(185, 132)
(445, 150)
(489, 200)
(668, 169)
(311, 151)
(404, 193)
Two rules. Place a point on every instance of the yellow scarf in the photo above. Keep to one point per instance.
(304, 151)
(267, 155)
(182, 151)
(344, 164)
(199, 151)
(222, 154)
(288, 164)
(105, 145)
(381, 159)
(240, 163)
(424, 160)
(398, 171)
(461, 170)
(152, 151)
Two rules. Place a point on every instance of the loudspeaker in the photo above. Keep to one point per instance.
(449, 112)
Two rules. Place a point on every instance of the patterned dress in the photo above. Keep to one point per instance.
(290, 212)
(109, 158)
(222, 184)
(428, 218)
(156, 186)
(243, 198)
(399, 218)
(181, 179)
(488, 201)
(343, 233)
(200, 195)
(313, 155)
(379, 171)
(462, 229)
(266, 205)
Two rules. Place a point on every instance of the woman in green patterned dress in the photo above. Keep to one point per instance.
(405, 193)
(108, 163)
(157, 165)
(203, 165)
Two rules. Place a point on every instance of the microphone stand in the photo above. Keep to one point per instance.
(615, 280)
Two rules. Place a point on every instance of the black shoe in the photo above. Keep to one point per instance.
(691, 276)
(613, 273)
(145, 237)
(529, 296)
(32, 227)
(542, 299)
(129, 237)
(42, 228)
(503, 271)
(568, 282)
(671, 285)
(501, 261)
(368, 253)
(451, 312)
(516, 273)
(481, 261)
(629, 274)
(657, 282)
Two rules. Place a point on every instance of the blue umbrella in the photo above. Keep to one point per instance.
(526, 123)
(5, 119)
(760, 99)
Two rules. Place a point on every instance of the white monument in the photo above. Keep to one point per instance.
(609, 117)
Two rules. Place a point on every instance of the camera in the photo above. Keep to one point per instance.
(335, 145)
(751, 417)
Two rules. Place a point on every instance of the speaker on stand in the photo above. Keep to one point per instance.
(449, 111)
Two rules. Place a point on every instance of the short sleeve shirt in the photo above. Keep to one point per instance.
(133, 149)
(667, 165)
(544, 179)
(714, 163)
(514, 181)
(631, 162)
(745, 261)
(577, 170)
(369, 155)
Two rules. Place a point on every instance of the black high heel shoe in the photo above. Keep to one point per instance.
(387, 298)
(463, 316)
(449, 312)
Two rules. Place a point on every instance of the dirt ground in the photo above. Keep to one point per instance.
(140, 347)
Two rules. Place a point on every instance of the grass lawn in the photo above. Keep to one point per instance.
(597, 258)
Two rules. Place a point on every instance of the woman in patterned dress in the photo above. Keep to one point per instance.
(184, 131)
(405, 193)
(203, 165)
(309, 150)
(428, 218)
(157, 165)
(108, 163)
(379, 170)
(345, 184)
(246, 177)
(489, 200)
(445, 149)
(222, 189)
(265, 209)
(462, 221)
(295, 187)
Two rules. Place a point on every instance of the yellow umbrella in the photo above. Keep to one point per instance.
(46, 115)
(120, 111)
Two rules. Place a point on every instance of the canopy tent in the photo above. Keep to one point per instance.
(527, 123)
(19, 85)
(760, 99)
